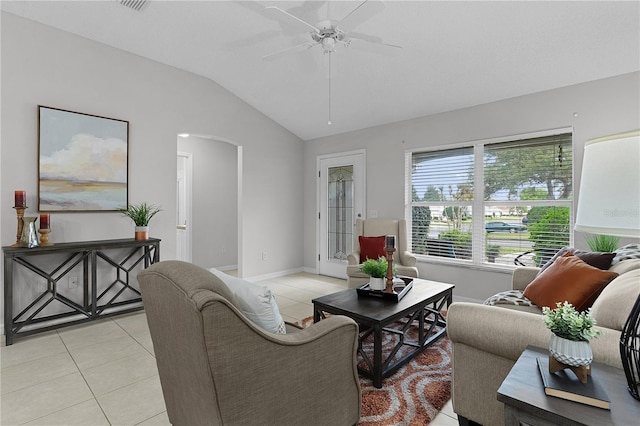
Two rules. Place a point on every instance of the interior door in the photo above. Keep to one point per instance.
(183, 230)
(341, 200)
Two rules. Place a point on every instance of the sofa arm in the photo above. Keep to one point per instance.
(502, 332)
(354, 258)
(302, 373)
(407, 258)
(522, 276)
(507, 332)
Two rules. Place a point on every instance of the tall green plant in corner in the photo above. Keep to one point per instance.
(602, 243)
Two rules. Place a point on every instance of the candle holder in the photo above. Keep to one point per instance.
(389, 251)
(44, 237)
(20, 213)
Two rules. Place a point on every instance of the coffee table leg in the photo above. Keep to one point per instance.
(316, 314)
(376, 375)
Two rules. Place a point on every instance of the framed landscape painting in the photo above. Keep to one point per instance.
(82, 161)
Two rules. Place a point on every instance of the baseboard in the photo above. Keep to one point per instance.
(310, 270)
(275, 274)
(227, 268)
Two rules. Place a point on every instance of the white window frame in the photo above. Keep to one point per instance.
(478, 203)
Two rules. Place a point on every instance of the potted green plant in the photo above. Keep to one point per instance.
(602, 243)
(141, 214)
(377, 269)
(572, 331)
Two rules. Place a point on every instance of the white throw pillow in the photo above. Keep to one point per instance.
(256, 302)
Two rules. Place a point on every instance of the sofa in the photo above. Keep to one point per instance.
(487, 340)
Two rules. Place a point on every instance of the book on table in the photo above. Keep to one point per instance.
(568, 386)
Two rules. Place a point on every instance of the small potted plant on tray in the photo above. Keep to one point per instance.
(572, 331)
(141, 214)
(377, 269)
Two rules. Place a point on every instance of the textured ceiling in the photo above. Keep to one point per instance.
(454, 55)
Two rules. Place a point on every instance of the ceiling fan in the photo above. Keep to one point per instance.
(329, 33)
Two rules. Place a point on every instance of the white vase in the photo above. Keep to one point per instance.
(377, 283)
(570, 352)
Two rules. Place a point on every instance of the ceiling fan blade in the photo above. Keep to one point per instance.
(365, 37)
(304, 25)
(370, 39)
(298, 48)
(365, 11)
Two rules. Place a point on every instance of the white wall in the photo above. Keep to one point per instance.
(603, 107)
(42, 65)
(215, 201)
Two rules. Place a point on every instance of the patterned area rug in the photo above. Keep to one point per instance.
(415, 393)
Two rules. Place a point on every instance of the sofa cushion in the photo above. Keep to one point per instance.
(613, 306)
(596, 259)
(625, 266)
(568, 279)
(371, 247)
(255, 301)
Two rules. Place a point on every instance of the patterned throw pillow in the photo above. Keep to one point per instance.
(630, 251)
(509, 297)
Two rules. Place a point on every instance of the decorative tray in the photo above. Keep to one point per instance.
(399, 290)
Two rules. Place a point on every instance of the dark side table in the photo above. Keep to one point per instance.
(525, 402)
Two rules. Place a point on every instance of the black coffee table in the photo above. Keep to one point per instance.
(423, 303)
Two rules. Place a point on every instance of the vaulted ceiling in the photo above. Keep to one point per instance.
(454, 54)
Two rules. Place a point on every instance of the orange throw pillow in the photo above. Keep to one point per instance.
(570, 279)
(371, 247)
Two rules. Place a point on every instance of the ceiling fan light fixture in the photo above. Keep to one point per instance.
(328, 44)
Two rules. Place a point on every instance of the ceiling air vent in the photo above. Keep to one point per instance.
(133, 4)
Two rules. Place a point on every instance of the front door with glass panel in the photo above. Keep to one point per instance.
(341, 185)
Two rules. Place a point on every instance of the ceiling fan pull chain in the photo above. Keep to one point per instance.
(329, 122)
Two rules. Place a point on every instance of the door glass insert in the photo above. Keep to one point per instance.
(340, 220)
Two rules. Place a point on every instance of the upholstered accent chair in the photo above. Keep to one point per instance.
(218, 368)
(404, 260)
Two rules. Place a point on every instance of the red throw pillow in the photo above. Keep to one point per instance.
(371, 247)
(568, 279)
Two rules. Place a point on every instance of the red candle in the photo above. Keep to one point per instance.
(20, 198)
(44, 221)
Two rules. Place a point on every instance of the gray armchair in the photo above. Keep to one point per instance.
(218, 368)
(404, 260)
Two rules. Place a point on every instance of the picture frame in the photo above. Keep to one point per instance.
(83, 162)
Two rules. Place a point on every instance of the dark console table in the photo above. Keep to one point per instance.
(101, 294)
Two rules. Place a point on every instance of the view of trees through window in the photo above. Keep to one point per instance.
(524, 190)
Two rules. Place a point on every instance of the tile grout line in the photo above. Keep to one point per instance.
(57, 378)
(95, 398)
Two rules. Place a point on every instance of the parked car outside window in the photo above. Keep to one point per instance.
(504, 227)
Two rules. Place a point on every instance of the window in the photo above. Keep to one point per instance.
(521, 191)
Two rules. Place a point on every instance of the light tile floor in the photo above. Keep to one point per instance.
(104, 373)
